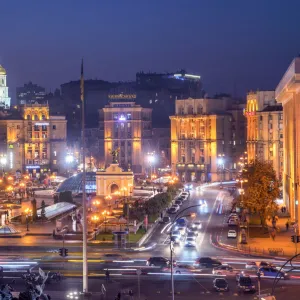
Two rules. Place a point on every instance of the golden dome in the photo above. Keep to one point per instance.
(2, 71)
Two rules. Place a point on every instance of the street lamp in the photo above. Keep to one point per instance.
(151, 160)
(108, 199)
(95, 219)
(221, 166)
(96, 203)
(28, 212)
(69, 161)
(105, 213)
(3, 162)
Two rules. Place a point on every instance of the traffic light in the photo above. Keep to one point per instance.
(61, 251)
(293, 238)
(66, 252)
(298, 238)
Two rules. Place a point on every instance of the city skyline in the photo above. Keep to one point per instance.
(223, 54)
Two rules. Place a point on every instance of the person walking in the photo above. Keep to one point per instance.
(287, 225)
(107, 275)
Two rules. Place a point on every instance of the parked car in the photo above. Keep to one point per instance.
(231, 234)
(207, 262)
(190, 241)
(185, 194)
(159, 261)
(232, 222)
(255, 265)
(166, 220)
(220, 285)
(178, 202)
(245, 284)
(272, 272)
(225, 270)
(191, 234)
(172, 210)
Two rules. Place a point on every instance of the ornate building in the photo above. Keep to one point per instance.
(265, 129)
(127, 126)
(288, 93)
(206, 141)
(4, 99)
(32, 140)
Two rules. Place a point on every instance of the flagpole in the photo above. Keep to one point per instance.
(84, 225)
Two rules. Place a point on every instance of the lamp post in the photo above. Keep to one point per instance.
(3, 162)
(27, 211)
(221, 166)
(151, 159)
(130, 193)
(95, 219)
(69, 161)
(96, 203)
(105, 213)
(108, 199)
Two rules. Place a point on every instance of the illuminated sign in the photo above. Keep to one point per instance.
(187, 76)
(122, 96)
(11, 146)
(11, 160)
(42, 124)
(122, 118)
(33, 167)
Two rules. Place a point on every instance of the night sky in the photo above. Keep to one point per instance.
(235, 45)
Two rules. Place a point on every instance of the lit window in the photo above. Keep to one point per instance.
(54, 161)
(54, 127)
(54, 152)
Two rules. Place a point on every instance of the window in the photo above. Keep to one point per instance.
(43, 117)
(36, 128)
(128, 116)
(54, 127)
(28, 117)
(36, 118)
(54, 153)
(54, 161)
(36, 153)
(115, 116)
(44, 128)
(18, 126)
(190, 110)
(44, 135)
(36, 135)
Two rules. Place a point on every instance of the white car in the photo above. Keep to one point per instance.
(176, 237)
(180, 269)
(231, 234)
(190, 241)
(176, 206)
(225, 270)
(197, 224)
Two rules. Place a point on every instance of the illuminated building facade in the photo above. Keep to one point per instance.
(33, 140)
(127, 126)
(288, 93)
(4, 99)
(265, 129)
(205, 142)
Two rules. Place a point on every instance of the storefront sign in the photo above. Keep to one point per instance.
(42, 124)
(33, 167)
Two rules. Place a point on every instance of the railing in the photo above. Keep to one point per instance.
(263, 251)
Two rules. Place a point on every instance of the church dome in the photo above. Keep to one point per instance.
(2, 71)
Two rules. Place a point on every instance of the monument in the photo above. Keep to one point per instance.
(113, 178)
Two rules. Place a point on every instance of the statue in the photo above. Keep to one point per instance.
(115, 154)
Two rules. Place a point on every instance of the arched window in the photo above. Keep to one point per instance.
(36, 118)
(28, 117)
(181, 110)
(190, 110)
(43, 117)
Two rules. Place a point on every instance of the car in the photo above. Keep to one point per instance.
(197, 224)
(191, 234)
(175, 234)
(182, 220)
(178, 202)
(180, 269)
(166, 220)
(181, 198)
(190, 241)
(159, 261)
(207, 262)
(232, 222)
(232, 218)
(185, 194)
(245, 284)
(175, 206)
(231, 234)
(193, 229)
(272, 272)
(255, 265)
(235, 215)
(224, 270)
(220, 285)
(172, 210)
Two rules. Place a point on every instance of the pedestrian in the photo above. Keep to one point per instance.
(287, 225)
(107, 275)
(282, 209)
(119, 295)
(130, 293)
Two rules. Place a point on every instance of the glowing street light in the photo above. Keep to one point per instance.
(27, 212)
(3, 161)
(69, 158)
(105, 213)
(10, 178)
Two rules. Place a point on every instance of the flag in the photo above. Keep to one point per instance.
(81, 83)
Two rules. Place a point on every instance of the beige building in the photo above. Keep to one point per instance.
(288, 93)
(206, 140)
(127, 126)
(265, 129)
(32, 140)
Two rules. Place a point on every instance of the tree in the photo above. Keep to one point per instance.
(34, 209)
(43, 210)
(66, 197)
(261, 191)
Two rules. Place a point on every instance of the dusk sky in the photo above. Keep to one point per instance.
(246, 44)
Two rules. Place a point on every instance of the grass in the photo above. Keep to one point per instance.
(258, 232)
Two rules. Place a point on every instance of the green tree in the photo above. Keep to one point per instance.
(34, 209)
(261, 190)
(43, 210)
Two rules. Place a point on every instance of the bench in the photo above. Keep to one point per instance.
(275, 251)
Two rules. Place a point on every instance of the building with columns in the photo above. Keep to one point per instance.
(4, 99)
(206, 140)
(288, 93)
(127, 126)
(265, 129)
(32, 140)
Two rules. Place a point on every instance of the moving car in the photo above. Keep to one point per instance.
(188, 186)
(185, 194)
(232, 222)
(180, 269)
(176, 237)
(272, 272)
(192, 234)
(224, 270)
(197, 224)
(181, 229)
(220, 285)
(231, 234)
(190, 241)
(255, 265)
(159, 261)
(245, 284)
(110, 257)
(193, 229)
(207, 262)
